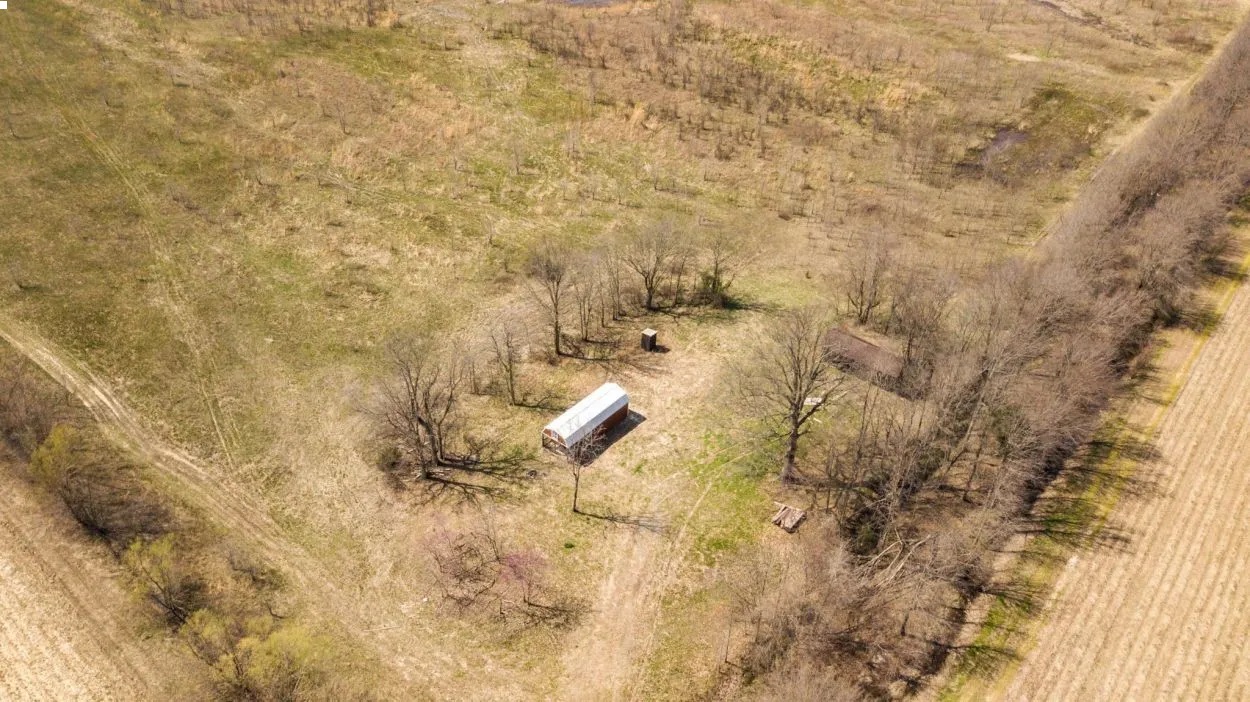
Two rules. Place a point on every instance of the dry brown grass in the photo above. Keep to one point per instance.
(227, 230)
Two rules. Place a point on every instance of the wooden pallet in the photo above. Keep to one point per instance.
(788, 517)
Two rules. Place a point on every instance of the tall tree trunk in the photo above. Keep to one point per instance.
(792, 450)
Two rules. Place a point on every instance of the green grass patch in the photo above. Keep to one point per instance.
(730, 515)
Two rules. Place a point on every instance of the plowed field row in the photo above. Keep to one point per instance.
(1166, 618)
(67, 630)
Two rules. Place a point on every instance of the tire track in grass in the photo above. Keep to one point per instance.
(169, 283)
(226, 504)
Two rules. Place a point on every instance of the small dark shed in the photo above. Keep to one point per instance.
(650, 339)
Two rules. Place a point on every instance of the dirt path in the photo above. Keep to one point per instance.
(170, 273)
(226, 502)
(605, 655)
(230, 507)
(63, 615)
(600, 659)
(1166, 618)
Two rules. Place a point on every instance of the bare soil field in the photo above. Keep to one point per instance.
(1164, 617)
(67, 629)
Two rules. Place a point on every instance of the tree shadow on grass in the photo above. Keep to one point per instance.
(1227, 265)
(709, 312)
(467, 479)
(641, 362)
(444, 488)
(983, 657)
(1200, 318)
(647, 522)
(1119, 466)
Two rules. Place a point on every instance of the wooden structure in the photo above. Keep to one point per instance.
(863, 358)
(788, 517)
(650, 339)
(587, 420)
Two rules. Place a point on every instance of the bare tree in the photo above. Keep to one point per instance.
(575, 471)
(919, 308)
(865, 272)
(586, 293)
(417, 405)
(29, 409)
(651, 252)
(479, 569)
(101, 489)
(677, 267)
(507, 348)
(579, 455)
(551, 267)
(607, 269)
(727, 252)
(792, 378)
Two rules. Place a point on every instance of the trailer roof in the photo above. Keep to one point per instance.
(580, 420)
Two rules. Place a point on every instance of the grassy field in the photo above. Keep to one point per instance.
(226, 219)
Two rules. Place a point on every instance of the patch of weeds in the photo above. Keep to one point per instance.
(730, 513)
(1056, 131)
(546, 99)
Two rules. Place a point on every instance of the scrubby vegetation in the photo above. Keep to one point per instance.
(1027, 359)
(221, 602)
(343, 260)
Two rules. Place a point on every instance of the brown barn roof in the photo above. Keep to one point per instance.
(862, 356)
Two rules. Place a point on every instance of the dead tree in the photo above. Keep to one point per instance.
(507, 348)
(603, 265)
(792, 378)
(417, 406)
(918, 311)
(103, 491)
(580, 455)
(865, 273)
(29, 409)
(551, 267)
(479, 570)
(575, 471)
(586, 293)
(650, 253)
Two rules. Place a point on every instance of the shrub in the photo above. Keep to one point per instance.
(161, 575)
(103, 491)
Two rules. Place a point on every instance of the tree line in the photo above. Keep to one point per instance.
(224, 605)
(1018, 367)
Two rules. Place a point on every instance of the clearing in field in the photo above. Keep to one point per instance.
(325, 270)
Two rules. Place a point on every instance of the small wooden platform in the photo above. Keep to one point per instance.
(788, 517)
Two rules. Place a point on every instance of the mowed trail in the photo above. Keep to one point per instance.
(1167, 618)
(66, 626)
